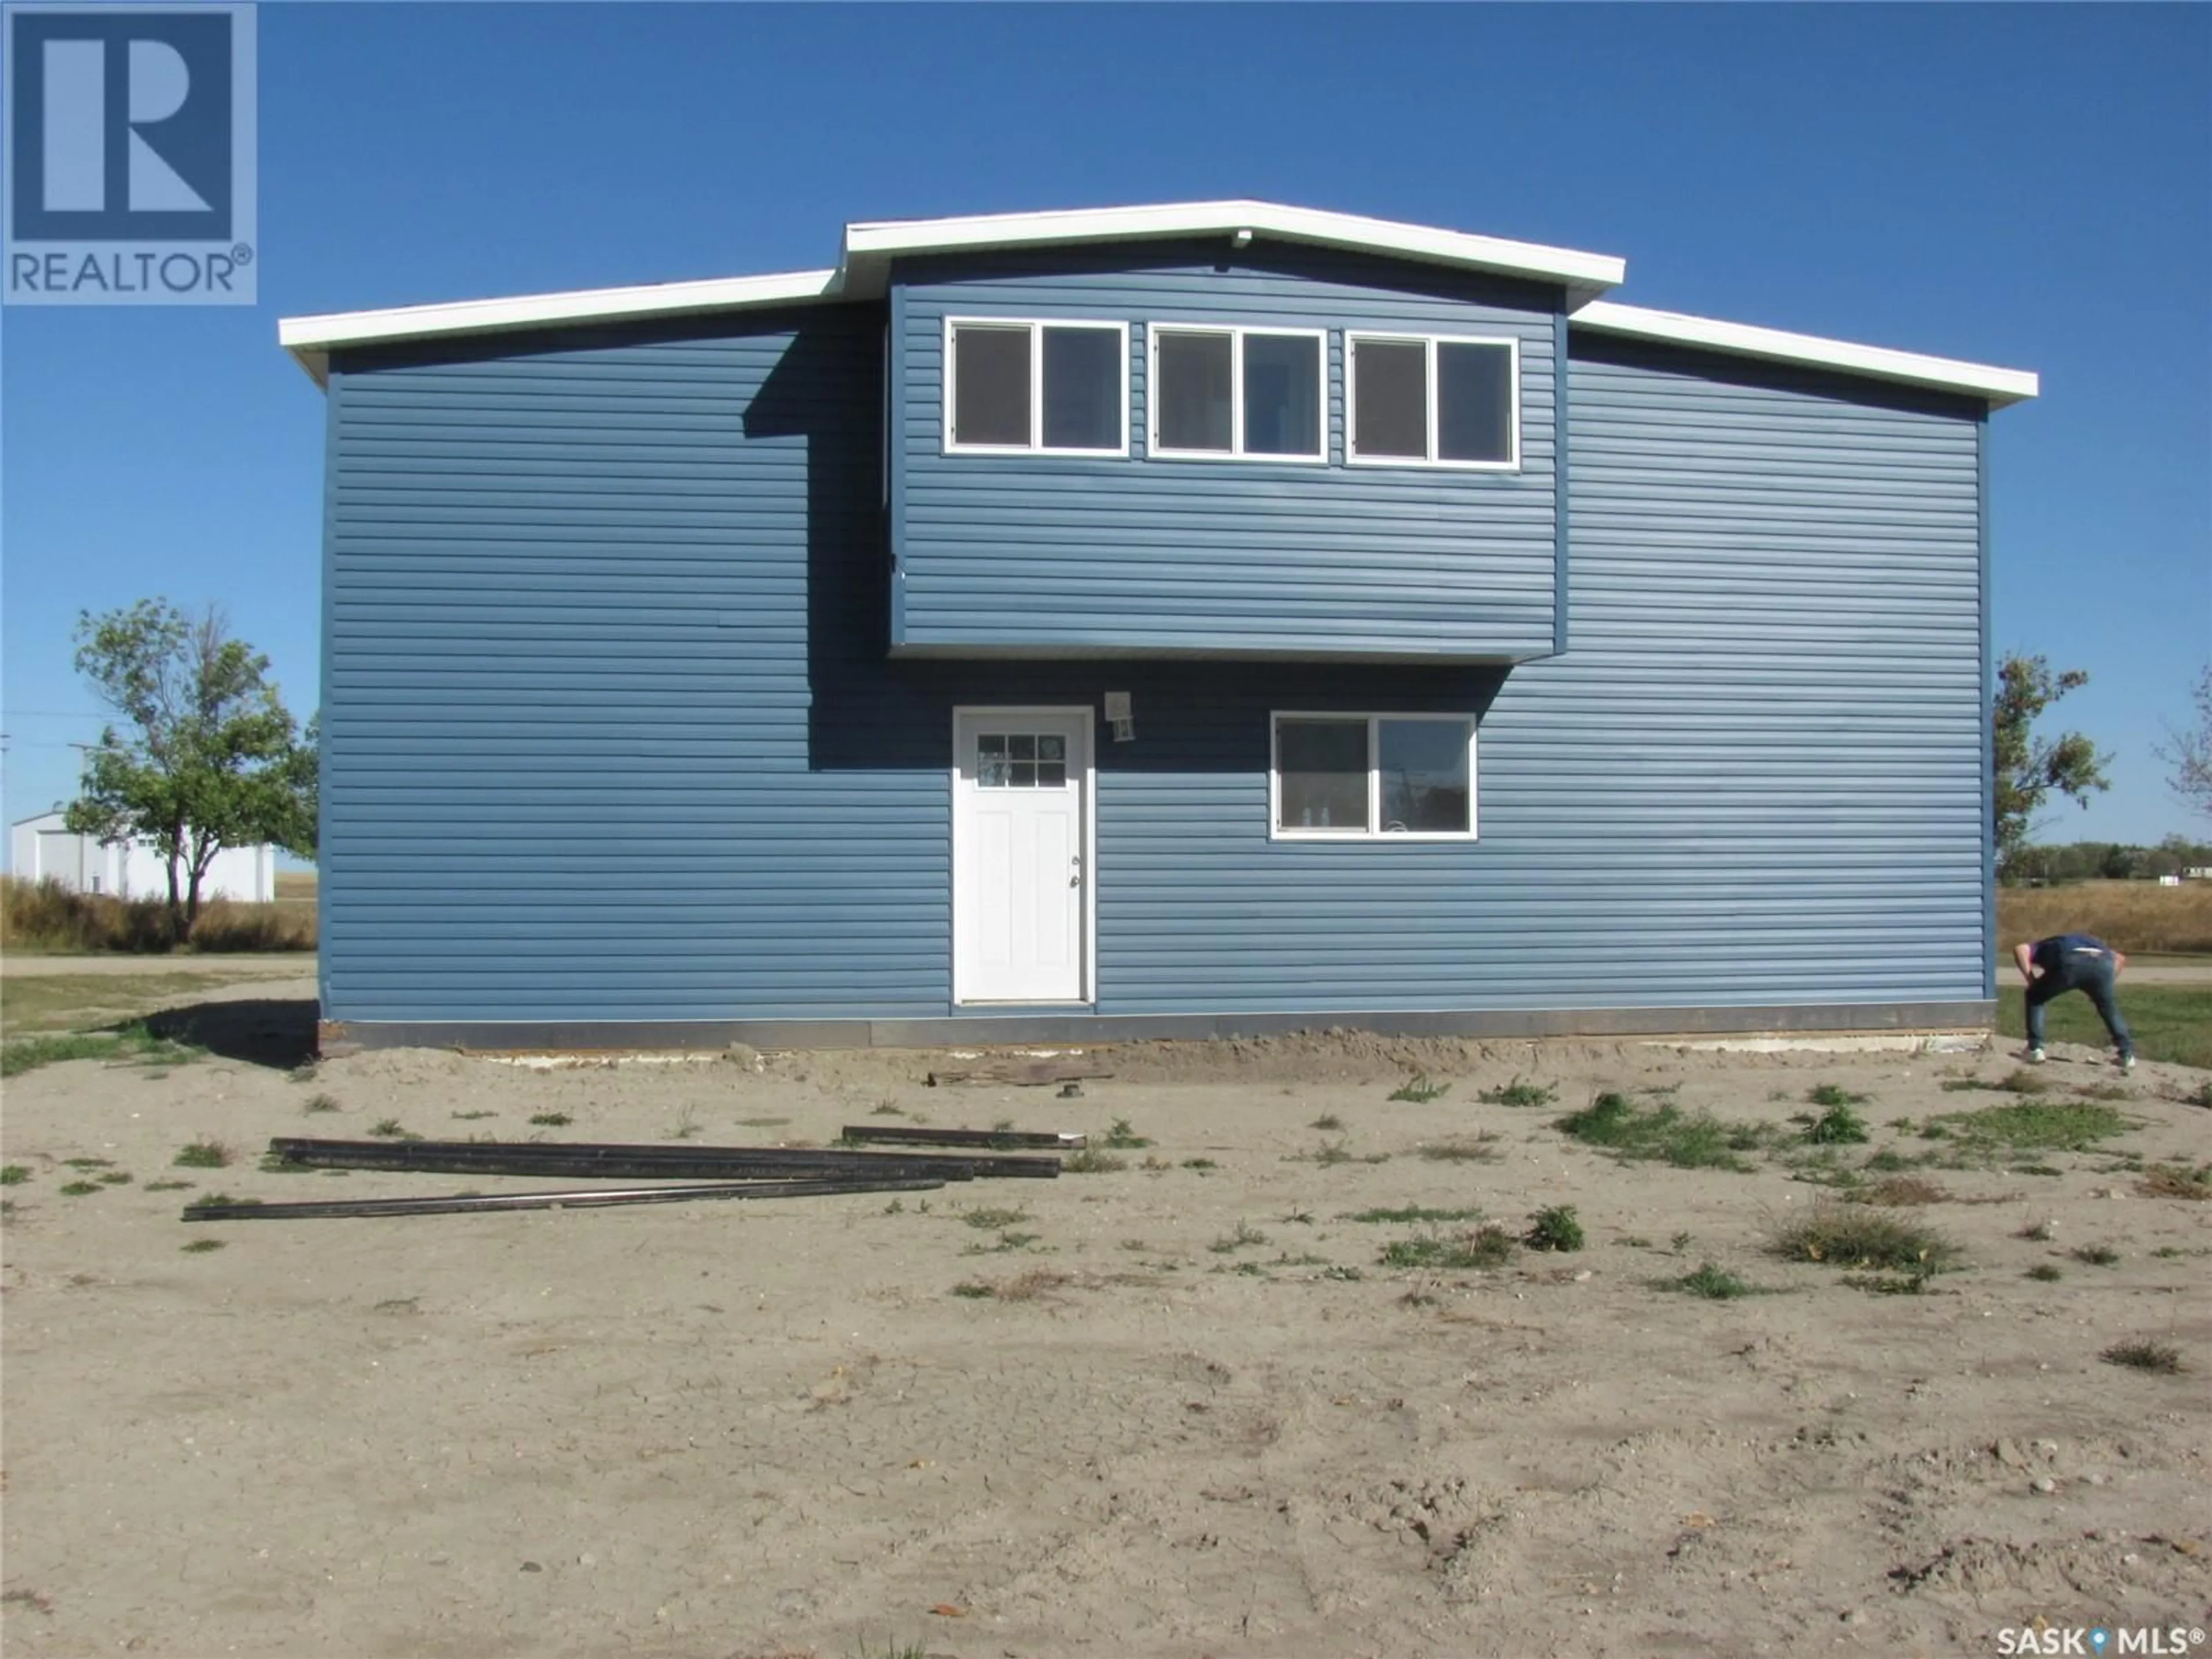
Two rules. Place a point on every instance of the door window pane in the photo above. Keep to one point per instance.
(1282, 395)
(1194, 390)
(1390, 416)
(1323, 769)
(1424, 775)
(991, 762)
(1474, 402)
(991, 385)
(1082, 388)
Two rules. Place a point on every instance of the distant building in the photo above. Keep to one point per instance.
(2197, 873)
(41, 848)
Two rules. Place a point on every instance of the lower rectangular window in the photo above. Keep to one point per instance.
(1373, 776)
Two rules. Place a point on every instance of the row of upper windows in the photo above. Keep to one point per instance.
(1021, 388)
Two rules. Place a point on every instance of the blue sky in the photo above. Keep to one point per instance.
(2028, 186)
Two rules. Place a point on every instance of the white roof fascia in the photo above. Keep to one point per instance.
(1998, 386)
(869, 247)
(312, 339)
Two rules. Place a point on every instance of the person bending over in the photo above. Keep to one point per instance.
(2073, 962)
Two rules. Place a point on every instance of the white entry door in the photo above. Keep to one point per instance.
(1020, 853)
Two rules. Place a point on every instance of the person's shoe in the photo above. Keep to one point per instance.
(2127, 1062)
(2035, 1056)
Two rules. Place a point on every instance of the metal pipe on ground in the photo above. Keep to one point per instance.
(594, 1198)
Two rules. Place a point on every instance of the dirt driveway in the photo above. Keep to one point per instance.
(1222, 1399)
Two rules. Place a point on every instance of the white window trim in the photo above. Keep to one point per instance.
(1036, 445)
(1352, 455)
(1237, 334)
(1374, 832)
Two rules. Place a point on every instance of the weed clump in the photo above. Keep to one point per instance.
(1518, 1093)
(204, 1154)
(14, 1174)
(2144, 1357)
(1900, 1190)
(1834, 1096)
(1419, 1091)
(1413, 1212)
(1851, 1235)
(1838, 1126)
(1091, 1161)
(1122, 1138)
(2046, 1273)
(2096, 1255)
(2176, 1180)
(1665, 1133)
(1482, 1248)
(1555, 1229)
(1710, 1281)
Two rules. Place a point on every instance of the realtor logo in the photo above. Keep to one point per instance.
(130, 154)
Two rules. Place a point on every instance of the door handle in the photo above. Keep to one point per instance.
(1075, 870)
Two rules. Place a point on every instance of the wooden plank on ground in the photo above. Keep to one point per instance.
(1023, 1073)
(891, 1135)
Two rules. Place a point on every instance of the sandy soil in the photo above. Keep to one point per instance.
(732, 1430)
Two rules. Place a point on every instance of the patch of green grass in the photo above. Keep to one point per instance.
(79, 1188)
(1327, 1123)
(1854, 1235)
(991, 1221)
(390, 1128)
(463, 1117)
(1122, 1138)
(1710, 1281)
(2170, 1022)
(1200, 1165)
(89, 1163)
(1413, 1213)
(1518, 1093)
(1091, 1161)
(131, 1043)
(1665, 1133)
(552, 1120)
(2045, 1273)
(277, 1163)
(1888, 1161)
(1244, 1237)
(1483, 1246)
(2095, 1256)
(770, 1122)
(2144, 1357)
(14, 1175)
(2037, 1170)
(2039, 1125)
(1834, 1096)
(1555, 1229)
(1419, 1091)
(1838, 1126)
(115, 1178)
(170, 1186)
(204, 1154)
(1477, 1149)
(201, 1246)
(974, 1289)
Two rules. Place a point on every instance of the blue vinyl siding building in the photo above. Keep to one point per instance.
(1169, 620)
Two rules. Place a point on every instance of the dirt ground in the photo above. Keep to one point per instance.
(1180, 1408)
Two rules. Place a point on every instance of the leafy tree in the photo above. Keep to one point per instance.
(206, 757)
(2028, 768)
(2188, 750)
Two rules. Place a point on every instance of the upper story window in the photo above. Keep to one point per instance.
(1014, 386)
(1232, 392)
(1423, 400)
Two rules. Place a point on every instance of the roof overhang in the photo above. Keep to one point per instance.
(1995, 387)
(312, 339)
(870, 248)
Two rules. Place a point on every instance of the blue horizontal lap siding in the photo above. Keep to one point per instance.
(568, 763)
(1085, 555)
(1755, 777)
(611, 733)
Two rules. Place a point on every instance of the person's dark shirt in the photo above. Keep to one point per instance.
(2051, 952)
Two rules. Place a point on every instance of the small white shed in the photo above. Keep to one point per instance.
(41, 848)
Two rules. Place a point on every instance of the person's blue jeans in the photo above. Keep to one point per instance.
(2089, 972)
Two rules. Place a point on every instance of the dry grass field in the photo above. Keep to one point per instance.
(44, 916)
(2136, 916)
